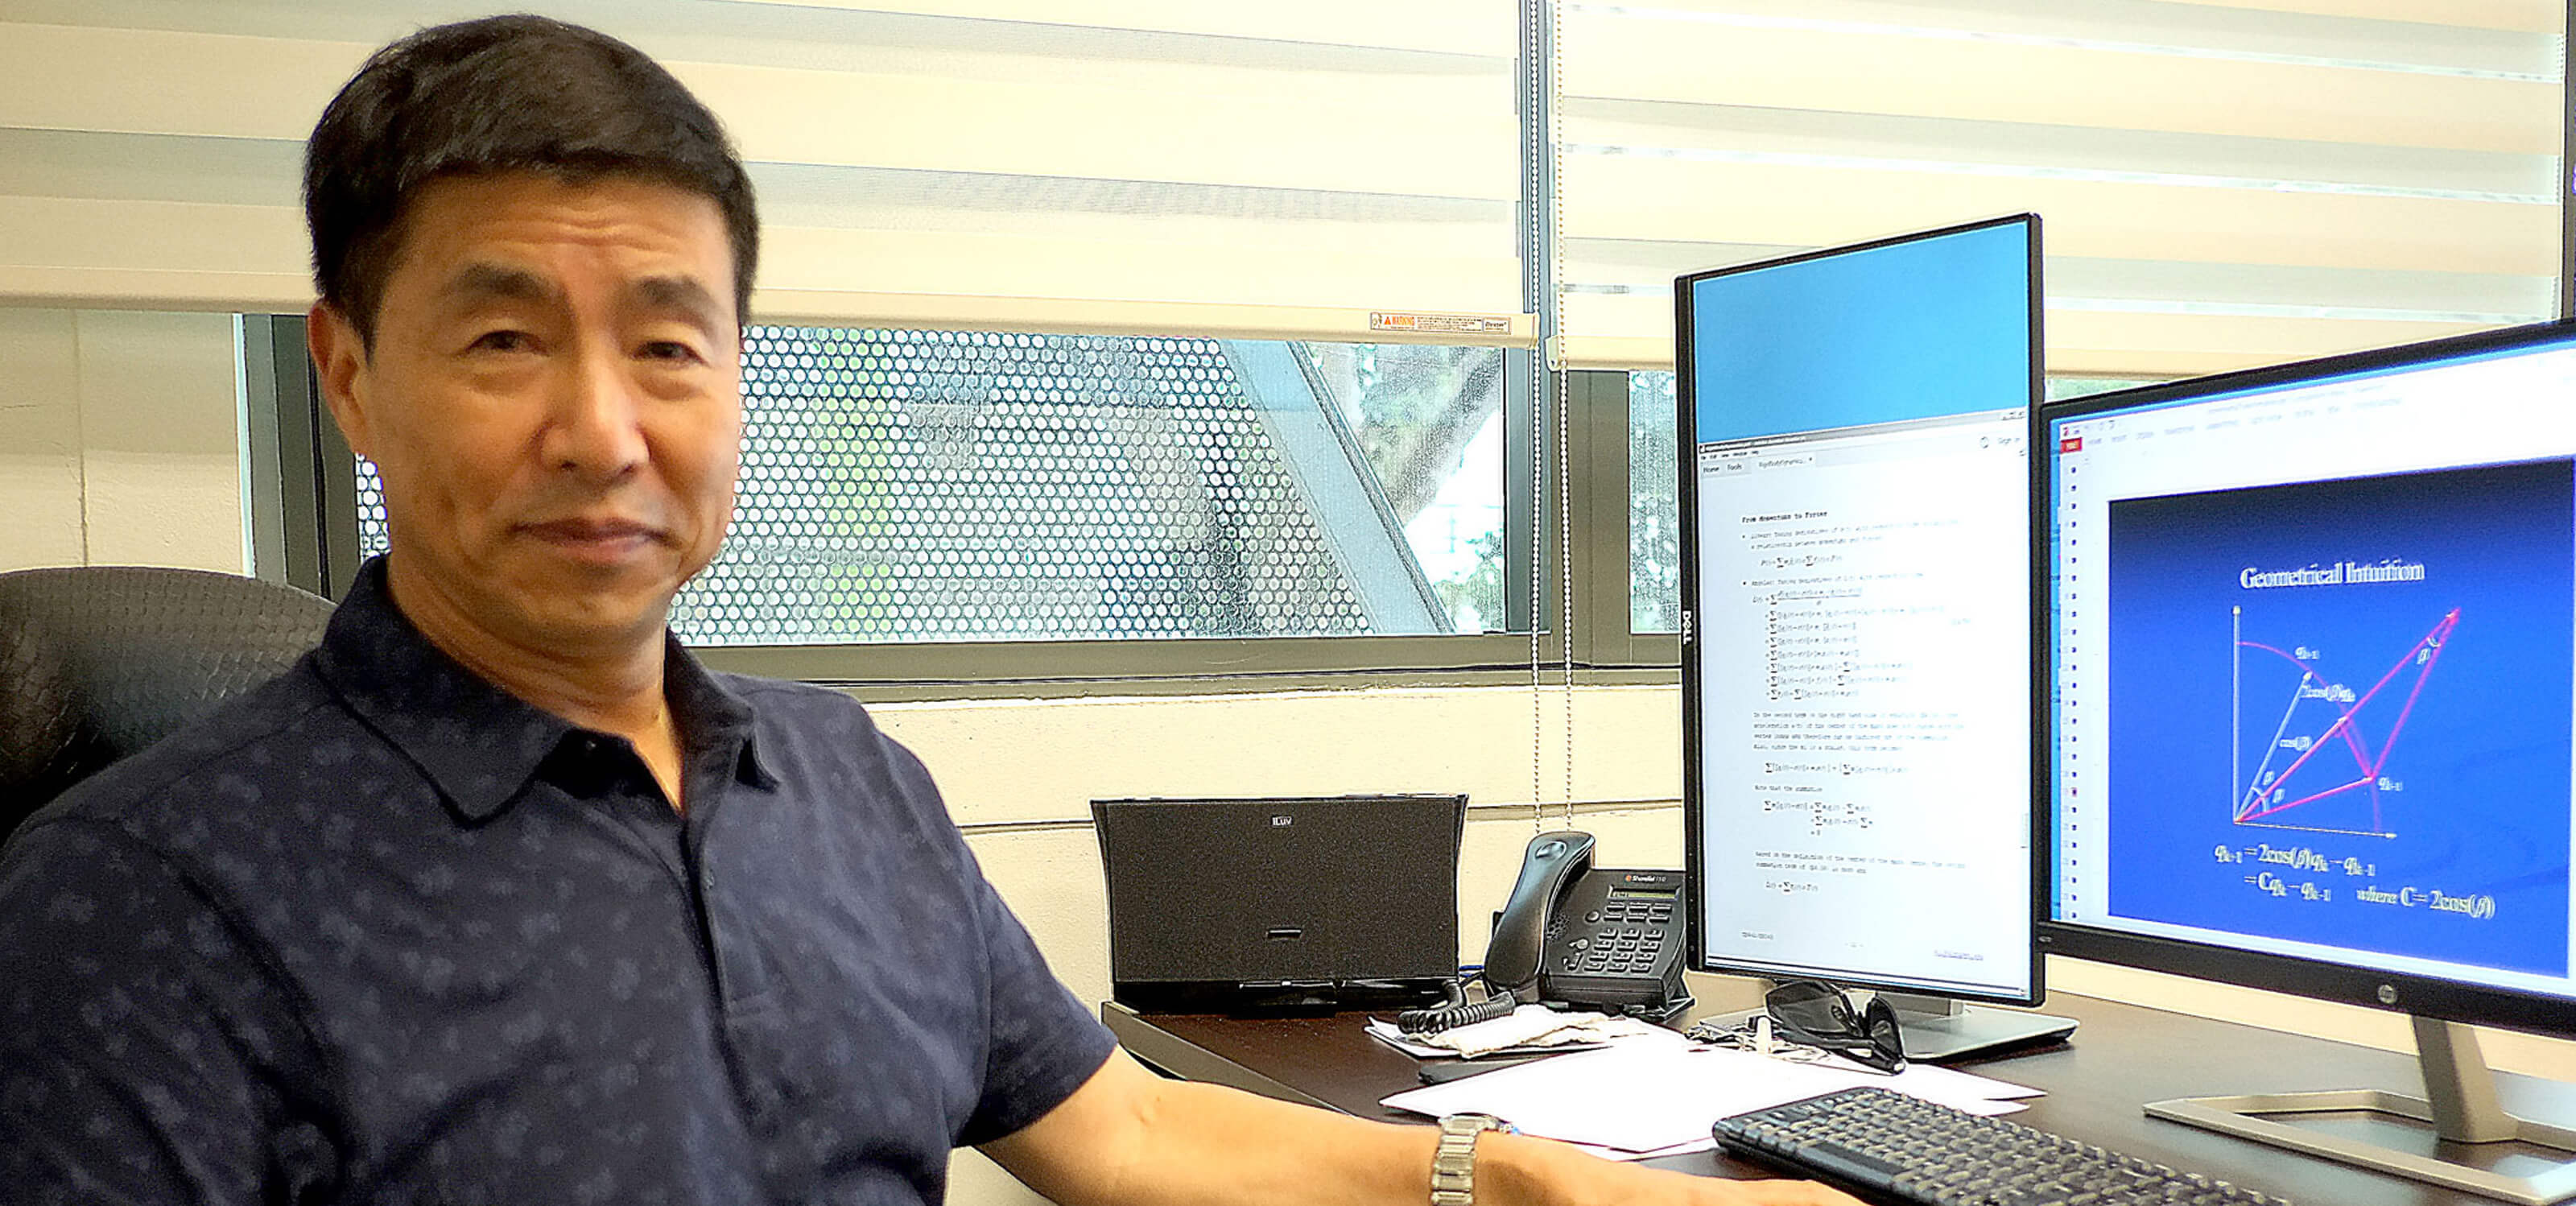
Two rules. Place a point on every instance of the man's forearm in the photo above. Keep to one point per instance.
(1236, 1147)
(1175, 1143)
(1130, 1138)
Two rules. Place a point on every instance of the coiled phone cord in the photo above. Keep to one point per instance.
(1457, 1011)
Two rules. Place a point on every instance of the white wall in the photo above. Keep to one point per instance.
(1041, 763)
(119, 440)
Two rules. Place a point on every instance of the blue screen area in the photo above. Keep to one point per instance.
(2287, 738)
(1913, 330)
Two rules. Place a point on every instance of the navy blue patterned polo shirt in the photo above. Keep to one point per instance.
(380, 932)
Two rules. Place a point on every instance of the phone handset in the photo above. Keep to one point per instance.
(1551, 863)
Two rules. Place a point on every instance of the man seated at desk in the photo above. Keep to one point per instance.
(499, 896)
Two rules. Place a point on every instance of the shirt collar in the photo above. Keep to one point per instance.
(478, 743)
(714, 721)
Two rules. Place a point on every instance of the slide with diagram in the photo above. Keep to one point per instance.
(2339, 712)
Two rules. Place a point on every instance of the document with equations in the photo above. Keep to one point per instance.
(1864, 634)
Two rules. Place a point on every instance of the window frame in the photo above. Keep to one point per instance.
(304, 491)
(302, 474)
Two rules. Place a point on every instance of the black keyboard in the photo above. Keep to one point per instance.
(1895, 1148)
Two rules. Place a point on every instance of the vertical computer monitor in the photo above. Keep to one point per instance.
(1857, 627)
(2311, 676)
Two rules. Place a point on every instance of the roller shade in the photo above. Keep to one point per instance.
(1275, 171)
(2221, 184)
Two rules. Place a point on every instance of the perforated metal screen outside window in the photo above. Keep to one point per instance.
(1654, 505)
(940, 485)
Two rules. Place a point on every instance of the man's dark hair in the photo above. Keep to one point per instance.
(501, 94)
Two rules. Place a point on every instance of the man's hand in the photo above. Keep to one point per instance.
(1131, 1138)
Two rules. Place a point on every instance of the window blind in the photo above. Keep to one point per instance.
(1056, 165)
(2222, 183)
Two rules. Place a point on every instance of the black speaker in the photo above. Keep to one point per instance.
(1252, 905)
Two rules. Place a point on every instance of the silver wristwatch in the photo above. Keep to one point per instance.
(1453, 1163)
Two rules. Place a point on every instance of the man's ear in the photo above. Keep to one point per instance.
(340, 360)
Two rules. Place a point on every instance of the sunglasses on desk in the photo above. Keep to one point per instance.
(1817, 1014)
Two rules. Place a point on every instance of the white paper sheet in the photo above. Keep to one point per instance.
(1643, 1100)
(1393, 1038)
(1530, 1028)
(1932, 1082)
(1678, 1149)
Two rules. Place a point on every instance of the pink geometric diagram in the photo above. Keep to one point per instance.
(2267, 794)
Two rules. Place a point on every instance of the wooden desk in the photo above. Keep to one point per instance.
(2123, 1057)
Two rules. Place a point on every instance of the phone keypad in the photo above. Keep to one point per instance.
(1626, 938)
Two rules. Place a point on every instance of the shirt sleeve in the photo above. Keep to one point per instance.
(1041, 1041)
(143, 1050)
(1045, 1041)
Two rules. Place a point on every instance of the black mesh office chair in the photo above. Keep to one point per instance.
(97, 662)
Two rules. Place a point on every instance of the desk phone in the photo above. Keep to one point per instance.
(1590, 936)
(1615, 939)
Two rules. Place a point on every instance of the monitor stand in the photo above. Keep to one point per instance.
(1939, 1028)
(2462, 1109)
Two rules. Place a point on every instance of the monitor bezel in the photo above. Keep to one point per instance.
(1686, 443)
(2419, 995)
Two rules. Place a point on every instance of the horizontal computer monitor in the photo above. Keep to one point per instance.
(1856, 607)
(2310, 676)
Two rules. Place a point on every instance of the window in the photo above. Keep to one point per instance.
(902, 485)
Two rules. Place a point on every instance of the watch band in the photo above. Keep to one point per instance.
(1453, 1163)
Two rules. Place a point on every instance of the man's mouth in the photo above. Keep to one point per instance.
(598, 534)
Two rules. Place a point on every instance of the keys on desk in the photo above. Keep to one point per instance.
(1905, 1149)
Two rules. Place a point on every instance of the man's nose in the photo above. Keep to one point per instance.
(598, 428)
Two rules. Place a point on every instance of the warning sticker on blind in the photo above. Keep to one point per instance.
(1441, 324)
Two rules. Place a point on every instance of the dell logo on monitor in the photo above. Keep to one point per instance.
(2387, 994)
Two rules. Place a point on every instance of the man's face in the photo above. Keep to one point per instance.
(553, 400)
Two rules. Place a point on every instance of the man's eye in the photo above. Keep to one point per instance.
(505, 341)
(670, 350)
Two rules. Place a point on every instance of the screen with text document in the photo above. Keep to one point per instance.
(1862, 703)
